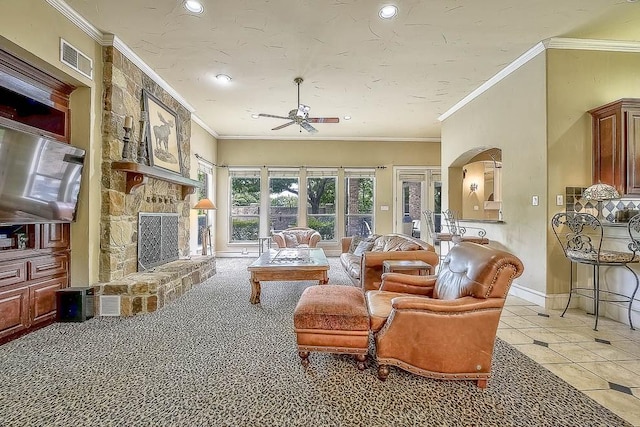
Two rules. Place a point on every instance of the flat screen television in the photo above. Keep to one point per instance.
(39, 178)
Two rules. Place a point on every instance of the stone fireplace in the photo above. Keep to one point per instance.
(152, 194)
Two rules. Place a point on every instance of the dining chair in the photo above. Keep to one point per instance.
(581, 237)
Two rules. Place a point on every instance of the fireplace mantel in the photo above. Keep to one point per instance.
(137, 175)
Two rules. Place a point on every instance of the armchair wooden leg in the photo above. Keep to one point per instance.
(304, 355)
(383, 372)
(482, 383)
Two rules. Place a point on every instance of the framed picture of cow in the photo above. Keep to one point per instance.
(162, 135)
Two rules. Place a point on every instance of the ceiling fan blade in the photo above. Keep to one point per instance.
(272, 116)
(308, 127)
(323, 120)
(284, 125)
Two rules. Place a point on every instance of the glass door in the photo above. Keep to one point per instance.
(417, 189)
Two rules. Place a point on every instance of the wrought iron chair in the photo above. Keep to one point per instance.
(581, 237)
(458, 232)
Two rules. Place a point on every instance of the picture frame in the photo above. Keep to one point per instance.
(163, 146)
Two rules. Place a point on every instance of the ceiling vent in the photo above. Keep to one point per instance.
(75, 59)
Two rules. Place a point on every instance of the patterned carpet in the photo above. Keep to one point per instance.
(213, 359)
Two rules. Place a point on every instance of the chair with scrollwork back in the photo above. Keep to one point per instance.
(458, 232)
(581, 237)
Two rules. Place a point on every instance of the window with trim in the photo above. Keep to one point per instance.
(321, 202)
(359, 202)
(244, 205)
(284, 195)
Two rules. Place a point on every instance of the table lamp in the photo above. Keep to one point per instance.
(205, 204)
(600, 192)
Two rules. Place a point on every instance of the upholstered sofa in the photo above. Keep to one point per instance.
(443, 326)
(363, 261)
(297, 237)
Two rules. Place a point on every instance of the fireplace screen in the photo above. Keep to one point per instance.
(157, 239)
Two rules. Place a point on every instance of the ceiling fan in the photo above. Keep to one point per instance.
(300, 116)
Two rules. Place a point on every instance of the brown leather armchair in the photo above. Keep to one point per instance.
(443, 326)
(296, 237)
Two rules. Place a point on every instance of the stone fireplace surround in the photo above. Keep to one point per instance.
(140, 292)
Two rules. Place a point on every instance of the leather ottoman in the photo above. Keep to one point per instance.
(332, 319)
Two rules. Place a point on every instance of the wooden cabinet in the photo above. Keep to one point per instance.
(30, 277)
(616, 145)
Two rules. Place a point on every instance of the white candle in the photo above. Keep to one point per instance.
(128, 122)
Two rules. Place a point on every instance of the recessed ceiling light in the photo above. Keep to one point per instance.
(255, 116)
(347, 117)
(632, 1)
(193, 6)
(223, 78)
(388, 11)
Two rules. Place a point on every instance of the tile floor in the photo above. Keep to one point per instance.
(603, 364)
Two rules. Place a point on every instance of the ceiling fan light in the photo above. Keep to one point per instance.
(347, 117)
(255, 116)
(193, 6)
(223, 78)
(388, 11)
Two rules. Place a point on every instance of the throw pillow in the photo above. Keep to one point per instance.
(290, 240)
(355, 240)
(363, 247)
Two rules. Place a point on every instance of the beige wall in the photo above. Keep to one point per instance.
(37, 40)
(206, 146)
(578, 81)
(510, 116)
(321, 154)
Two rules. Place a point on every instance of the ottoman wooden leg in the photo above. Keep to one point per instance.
(361, 359)
(304, 355)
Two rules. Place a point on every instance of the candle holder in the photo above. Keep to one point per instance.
(142, 147)
(126, 150)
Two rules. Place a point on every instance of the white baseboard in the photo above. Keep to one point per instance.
(609, 310)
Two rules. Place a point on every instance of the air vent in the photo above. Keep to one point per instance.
(75, 59)
(110, 305)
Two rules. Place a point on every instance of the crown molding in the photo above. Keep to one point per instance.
(204, 126)
(112, 40)
(592, 44)
(328, 138)
(77, 19)
(550, 43)
(523, 59)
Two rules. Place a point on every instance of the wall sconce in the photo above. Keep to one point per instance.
(473, 187)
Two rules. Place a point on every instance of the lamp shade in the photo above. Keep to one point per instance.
(600, 192)
(205, 204)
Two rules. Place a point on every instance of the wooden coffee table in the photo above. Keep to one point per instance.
(290, 264)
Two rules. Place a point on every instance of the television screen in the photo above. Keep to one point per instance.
(39, 178)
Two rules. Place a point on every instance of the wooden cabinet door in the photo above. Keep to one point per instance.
(608, 149)
(42, 299)
(14, 311)
(55, 236)
(632, 136)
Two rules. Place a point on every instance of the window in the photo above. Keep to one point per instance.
(284, 193)
(245, 205)
(359, 202)
(321, 202)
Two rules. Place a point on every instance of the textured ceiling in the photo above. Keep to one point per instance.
(393, 77)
